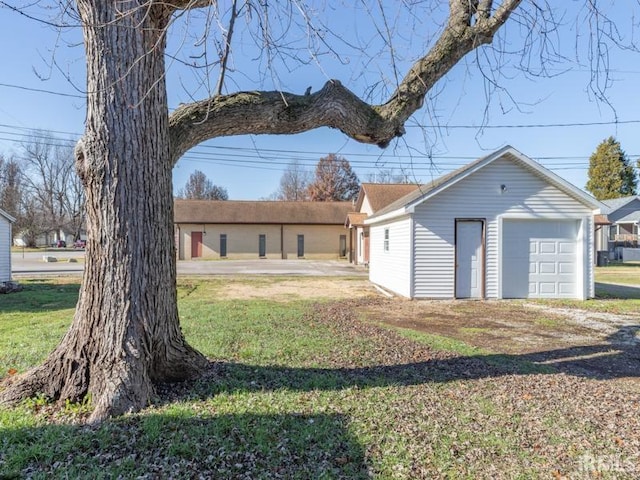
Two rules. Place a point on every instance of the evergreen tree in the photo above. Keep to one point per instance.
(611, 174)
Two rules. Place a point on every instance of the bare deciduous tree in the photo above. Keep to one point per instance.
(199, 187)
(52, 189)
(125, 333)
(294, 183)
(10, 186)
(390, 176)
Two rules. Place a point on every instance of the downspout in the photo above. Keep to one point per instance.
(178, 242)
(282, 241)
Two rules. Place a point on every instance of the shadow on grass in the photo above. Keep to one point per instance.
(620, 358)
(40, 297)
(614, 291)
(182, 445)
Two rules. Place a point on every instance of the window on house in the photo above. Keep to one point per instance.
(386, 239)
(300, 245)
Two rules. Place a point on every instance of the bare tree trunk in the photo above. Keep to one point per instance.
(125, 333)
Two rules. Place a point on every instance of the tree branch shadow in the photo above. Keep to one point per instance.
(618, 358)
(610, 291)
(40, 297)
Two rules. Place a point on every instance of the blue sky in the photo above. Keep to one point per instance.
(250, 167)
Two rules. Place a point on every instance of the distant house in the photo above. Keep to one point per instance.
(5, 246)
(501, 227)
(624, 215)
(371, 198)
(210, 229)
(47, 239)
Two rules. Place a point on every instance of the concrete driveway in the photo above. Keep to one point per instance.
(71, 262)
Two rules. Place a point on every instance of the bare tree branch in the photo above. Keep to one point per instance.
(334, 105)
(227, 47)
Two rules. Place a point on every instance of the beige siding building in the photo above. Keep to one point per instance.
(210, 229)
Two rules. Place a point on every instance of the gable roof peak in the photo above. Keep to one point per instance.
(405, 204)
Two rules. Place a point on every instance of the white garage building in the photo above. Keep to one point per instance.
(500, 227)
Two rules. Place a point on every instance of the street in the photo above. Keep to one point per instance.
(71, 262)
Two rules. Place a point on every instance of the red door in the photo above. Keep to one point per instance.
(196, 244)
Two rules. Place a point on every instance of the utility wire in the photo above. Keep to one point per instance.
(445, 126)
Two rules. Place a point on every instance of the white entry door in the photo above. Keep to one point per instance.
(469, 259)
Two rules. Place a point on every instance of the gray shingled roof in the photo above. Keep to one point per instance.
(261, 212)
(616, 203)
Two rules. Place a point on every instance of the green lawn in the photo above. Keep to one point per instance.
(312, 390)
(621, 273)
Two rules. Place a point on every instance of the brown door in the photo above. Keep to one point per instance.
(196, 244)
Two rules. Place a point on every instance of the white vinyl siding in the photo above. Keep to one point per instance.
(5, 249)
(479, 196)
(392, 269)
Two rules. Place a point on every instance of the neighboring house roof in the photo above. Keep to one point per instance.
(261, 212)
(7, 216)
(616, 204)
(633, 217)
(355, 219)
(380, 195)
(408, 202)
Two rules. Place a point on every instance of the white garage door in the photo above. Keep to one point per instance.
(540, 259)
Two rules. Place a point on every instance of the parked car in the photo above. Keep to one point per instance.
(60, 244)
(80, 244)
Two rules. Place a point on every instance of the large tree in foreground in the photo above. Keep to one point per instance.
(611, 174)
(125, 333)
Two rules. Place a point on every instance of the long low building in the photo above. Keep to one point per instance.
(210, 229)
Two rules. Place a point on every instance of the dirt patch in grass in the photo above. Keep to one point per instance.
(594, 344)
(285, 289)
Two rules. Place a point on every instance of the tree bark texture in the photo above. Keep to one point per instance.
(125, 334)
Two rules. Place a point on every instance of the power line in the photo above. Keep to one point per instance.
(41, 90)
(203, 149)
(36, 19)
(278, 159)
(438, 126)
(533, 125)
